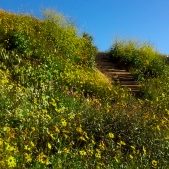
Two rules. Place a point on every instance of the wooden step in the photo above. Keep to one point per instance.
(107, 66)
(126, 78)
(123, 77)
(104, 57)
(106, 60)
(120, 73)
(114, 70)
(128, 82)
(131, 86)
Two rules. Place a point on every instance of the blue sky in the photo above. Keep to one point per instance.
(108, 20)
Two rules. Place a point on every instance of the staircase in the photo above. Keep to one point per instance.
(117, 73)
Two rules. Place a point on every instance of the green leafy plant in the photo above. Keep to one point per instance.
(16, 41)
(141, 59)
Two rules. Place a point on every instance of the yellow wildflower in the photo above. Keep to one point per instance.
(49, 146)
(51, 135)
(42, 158)
(111, 135)
(98, 153)
(71, 116)
(116, 159)
(10, 148)
(28, 157)
(158, 127)
(56, 129)
(26, 147)
(82, 138)
(90, 152)
(7, 129)
(102, 146)
(79, 130)
(154, 163)
(131, 156)
(11, 161)
(82, 152)
(144, 150)
(93, 142)
(85, 134)
(122, 143)
(63, 122)
(133, 147)
(32, 144)
(66, 150)
(33, 129)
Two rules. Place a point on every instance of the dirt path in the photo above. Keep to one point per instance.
(117, 73)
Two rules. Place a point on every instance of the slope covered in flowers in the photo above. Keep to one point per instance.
(58, 111)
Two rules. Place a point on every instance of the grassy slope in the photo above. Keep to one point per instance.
(58, 110)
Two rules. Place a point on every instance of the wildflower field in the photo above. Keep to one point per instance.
(58, 111)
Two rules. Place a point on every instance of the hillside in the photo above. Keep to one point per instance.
(58, 110)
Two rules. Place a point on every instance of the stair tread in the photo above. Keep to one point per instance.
(128, 83)
(120, 73)
(115, 69)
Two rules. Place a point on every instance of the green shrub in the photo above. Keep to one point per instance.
(16, 41)
(141, 59)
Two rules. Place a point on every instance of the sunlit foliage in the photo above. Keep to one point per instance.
(58, 111)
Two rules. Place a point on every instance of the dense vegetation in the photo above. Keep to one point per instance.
(147, 65)
(142, 59)
(58, 111)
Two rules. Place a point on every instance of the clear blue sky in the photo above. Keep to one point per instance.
(107, 20)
